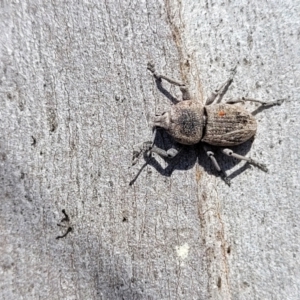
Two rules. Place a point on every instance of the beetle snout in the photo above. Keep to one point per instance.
(162, 121)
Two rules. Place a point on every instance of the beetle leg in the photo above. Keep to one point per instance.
(263, 103)
(149, 147)
(171, 153)
(229, 152)
(217, 95)
(183, 88)
(211, 155)
(141, 148)
(151, 68)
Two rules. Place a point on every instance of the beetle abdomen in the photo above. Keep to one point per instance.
(228, 125)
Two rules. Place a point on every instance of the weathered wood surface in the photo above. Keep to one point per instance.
(76, 96)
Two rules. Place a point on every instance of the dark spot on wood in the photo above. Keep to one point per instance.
(228, 250)
(67, 232)
(246, 284)
(28, 198)
(33, 141)
(21, 106)
(219, 283)
(52, 127)
(52, 119)
(66, 218)
(3, 156)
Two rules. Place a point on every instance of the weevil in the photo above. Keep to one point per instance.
(217, 123)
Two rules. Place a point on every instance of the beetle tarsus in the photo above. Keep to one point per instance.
(224, 177)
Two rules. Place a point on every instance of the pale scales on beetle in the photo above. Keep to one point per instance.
(216, 123)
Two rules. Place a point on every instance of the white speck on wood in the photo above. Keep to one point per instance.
(182, 251)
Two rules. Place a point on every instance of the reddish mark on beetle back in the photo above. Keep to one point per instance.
(222, 113)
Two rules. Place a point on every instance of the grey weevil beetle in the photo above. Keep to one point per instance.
(218, 124)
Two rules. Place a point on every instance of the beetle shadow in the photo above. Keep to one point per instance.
(262, 108)
(165, 92)
(189, 155)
